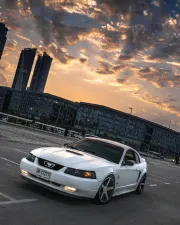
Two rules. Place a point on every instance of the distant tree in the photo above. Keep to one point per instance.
(176, 159)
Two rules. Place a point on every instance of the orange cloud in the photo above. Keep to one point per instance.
(155, 100)
(3, 80)
(22, 37)
(11, 46)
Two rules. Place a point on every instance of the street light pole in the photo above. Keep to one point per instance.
(128, 120)
(170, 124)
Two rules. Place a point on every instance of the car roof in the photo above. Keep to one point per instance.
(126, 147)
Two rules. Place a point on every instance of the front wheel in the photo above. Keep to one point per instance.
(141, 185)
(106, 190)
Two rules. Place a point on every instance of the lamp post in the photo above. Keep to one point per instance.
(170, 124)
(131, 110)
(128, 120)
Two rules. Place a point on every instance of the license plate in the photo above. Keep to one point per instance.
(43, 174)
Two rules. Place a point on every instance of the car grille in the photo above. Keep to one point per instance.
(44, 163)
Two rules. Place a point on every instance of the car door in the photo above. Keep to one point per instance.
(129, 174)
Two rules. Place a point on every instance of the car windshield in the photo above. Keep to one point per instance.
(99, 148)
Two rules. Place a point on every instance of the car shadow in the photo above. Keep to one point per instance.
(68, 200)
(45, 193)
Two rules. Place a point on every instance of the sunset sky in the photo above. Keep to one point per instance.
(118, 53)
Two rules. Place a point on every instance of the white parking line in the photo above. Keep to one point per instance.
(18, 150)
(9, 161)
(17, 201)
(158, 180)
(163, 175)
(7, 197)
(157, 177)
(152, 172)
(162, 178)
(153, 185)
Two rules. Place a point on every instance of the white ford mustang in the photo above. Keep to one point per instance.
(92, 168)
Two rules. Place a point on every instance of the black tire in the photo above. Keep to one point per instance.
(140, 187)
(106, 190)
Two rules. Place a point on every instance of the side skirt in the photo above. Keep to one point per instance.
(123, 191)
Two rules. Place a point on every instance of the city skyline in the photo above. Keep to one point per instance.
(108, 59)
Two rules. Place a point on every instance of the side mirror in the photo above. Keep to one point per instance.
(128, 163)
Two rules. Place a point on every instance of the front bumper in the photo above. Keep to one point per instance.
(86, 188)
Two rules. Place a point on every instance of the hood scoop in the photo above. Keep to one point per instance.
(76, 153)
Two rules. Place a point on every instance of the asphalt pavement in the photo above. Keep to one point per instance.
(23, 203)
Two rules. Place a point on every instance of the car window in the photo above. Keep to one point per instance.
(131, 156)
(137, 158)
(112, 153)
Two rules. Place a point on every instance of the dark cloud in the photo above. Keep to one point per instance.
(104, 68)
(172, 99)
(122, 80)
(112, 7)
(129, 27)
(119, 67)
(159, 77)
(50, 24)
(68, 35)
(125, 57)
(83, 60)
(62, 55)
(111, 40)
(49, 17)
(10, 3)
(163, 52)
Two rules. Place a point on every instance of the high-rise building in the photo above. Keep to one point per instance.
(41, 72)
(24, 69)
(3, 38)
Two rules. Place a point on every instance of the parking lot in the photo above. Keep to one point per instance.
(23, 203)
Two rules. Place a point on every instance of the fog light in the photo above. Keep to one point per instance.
(24, 172)
(70, 189)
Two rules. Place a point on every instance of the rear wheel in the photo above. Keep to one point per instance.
(141, 185)
(106, 190)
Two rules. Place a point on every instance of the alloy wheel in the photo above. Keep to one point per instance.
(106, 190)
(141, 185)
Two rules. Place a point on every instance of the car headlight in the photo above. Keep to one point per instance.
(31, 157)
(80, 173)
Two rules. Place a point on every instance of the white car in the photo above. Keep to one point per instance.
(92, 168)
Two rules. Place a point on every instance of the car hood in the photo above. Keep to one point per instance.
(71, 158)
